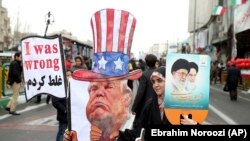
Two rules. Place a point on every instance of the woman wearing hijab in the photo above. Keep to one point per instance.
(156, 113)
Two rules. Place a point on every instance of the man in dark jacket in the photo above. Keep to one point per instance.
(145, 90)
(233, 77)
(14, 80)
(60, 105)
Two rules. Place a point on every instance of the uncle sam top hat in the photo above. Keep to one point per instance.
(112, 35)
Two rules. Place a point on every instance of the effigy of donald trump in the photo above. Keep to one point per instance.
(109, 95)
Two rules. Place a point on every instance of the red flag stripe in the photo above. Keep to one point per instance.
(131, 36)
(92, 26)
(123, 25)
(110, 27)
(98, 31)
(223, 11)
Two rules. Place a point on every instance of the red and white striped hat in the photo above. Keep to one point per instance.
(113, 32)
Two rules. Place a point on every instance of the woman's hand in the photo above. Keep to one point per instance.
(70, 135)
(188, 121)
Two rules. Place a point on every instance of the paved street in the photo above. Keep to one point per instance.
(37, 122)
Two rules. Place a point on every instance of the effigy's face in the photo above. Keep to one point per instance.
(105, 101)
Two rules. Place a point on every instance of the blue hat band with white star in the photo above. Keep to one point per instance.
(110, 63)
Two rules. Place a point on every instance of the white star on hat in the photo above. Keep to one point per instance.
(118, 64)
(102, 63)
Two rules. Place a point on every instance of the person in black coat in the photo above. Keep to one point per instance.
(142, 65)
(153, 111)
(39, 98)
(145, 89)
(233, 78)
(61, 107)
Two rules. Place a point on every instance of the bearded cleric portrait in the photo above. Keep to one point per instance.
(109, 95)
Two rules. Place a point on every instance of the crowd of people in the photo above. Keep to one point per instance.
(150, 92)
(148, 104)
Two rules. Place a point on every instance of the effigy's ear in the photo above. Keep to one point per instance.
(127, 99)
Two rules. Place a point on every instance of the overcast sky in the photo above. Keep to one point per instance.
(157, 20)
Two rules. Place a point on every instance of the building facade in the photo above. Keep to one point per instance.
(221, 36)
(159, 50)
(73, 47)
(5, 30)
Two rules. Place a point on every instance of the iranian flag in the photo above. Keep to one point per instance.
(238, 2)
(219, 10)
